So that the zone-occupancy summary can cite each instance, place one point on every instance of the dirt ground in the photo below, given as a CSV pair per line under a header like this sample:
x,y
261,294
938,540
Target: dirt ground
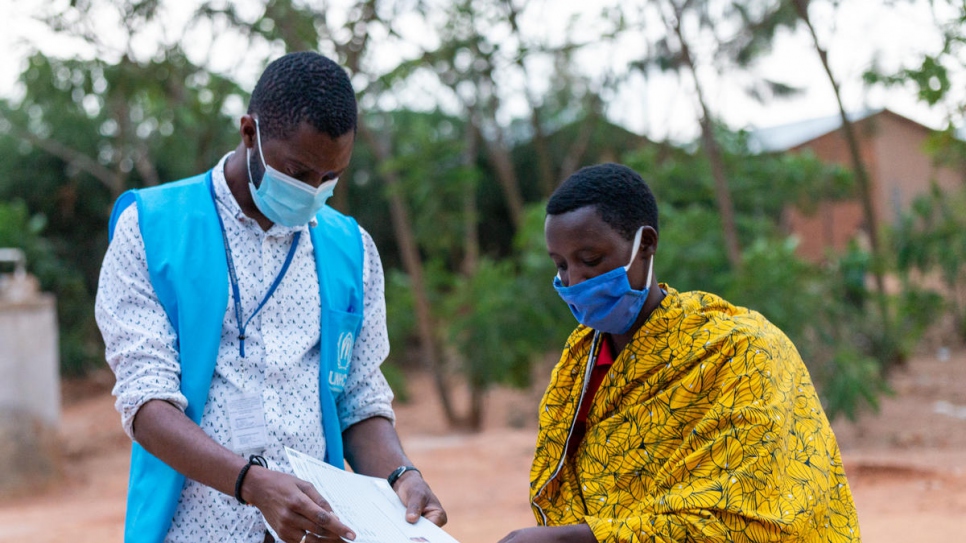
x,y
907,465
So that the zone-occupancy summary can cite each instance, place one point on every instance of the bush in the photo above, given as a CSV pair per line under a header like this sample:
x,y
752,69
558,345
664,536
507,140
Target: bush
x,y
931,239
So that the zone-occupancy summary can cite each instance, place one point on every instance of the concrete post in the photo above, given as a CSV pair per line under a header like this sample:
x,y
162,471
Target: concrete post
x,y
29,380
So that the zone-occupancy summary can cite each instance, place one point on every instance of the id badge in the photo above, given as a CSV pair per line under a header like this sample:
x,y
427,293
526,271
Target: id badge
x,y
247,420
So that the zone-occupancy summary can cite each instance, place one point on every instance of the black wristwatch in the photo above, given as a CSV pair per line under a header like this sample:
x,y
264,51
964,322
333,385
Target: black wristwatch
x,y
398,472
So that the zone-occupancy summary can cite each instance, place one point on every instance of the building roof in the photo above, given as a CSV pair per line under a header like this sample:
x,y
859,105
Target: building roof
x,y
784,137
788,136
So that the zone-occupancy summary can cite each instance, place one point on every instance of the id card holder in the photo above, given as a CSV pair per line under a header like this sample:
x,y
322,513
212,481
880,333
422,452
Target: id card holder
x,y
246,418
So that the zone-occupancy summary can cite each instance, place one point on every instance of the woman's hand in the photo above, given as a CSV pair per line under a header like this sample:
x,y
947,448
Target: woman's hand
x,y
572,533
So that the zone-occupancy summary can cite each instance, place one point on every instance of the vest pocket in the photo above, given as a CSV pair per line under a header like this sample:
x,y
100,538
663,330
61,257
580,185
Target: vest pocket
x,y
339,339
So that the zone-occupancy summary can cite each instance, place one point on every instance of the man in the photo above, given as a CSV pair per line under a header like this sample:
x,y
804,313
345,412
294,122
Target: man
x,y
670,416
242,316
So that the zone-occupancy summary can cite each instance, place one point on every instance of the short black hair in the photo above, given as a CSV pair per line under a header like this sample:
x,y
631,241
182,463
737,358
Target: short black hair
x,y
622,198
304,87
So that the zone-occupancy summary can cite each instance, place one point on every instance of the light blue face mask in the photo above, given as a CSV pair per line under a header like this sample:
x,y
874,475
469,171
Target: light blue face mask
x,y
607,302
282,198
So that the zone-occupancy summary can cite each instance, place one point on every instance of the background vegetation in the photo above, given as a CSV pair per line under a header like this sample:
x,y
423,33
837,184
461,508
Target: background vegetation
x,y
450,181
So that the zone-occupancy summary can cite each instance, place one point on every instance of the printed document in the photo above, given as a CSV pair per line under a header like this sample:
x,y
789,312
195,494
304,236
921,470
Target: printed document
x,y
368,505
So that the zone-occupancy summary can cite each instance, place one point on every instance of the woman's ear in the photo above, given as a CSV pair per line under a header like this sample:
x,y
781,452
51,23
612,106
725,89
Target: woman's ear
x,y
648,242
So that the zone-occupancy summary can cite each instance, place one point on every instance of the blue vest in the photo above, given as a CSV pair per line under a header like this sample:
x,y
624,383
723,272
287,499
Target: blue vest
x,y
186,261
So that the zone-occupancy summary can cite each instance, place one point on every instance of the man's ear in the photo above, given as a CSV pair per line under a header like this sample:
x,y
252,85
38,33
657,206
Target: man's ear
x,y
246,129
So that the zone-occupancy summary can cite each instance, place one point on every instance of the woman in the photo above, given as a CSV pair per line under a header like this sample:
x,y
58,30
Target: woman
x,y
670,416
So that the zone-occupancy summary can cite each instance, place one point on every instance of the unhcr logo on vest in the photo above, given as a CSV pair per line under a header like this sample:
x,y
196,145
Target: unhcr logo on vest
x,y
346,341
337,377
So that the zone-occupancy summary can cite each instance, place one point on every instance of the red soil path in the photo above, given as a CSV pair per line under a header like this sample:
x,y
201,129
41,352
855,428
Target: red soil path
x,y
906,465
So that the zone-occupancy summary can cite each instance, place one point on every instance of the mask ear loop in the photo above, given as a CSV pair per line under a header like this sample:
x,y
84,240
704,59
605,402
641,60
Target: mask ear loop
x,y
650,273
248,154
258,137
650,264
637,245
248,165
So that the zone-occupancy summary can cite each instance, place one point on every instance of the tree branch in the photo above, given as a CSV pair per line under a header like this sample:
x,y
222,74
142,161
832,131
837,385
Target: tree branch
x,y
112,180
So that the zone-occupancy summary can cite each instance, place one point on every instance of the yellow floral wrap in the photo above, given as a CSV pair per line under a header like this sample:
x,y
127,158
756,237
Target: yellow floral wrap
x,y
706,428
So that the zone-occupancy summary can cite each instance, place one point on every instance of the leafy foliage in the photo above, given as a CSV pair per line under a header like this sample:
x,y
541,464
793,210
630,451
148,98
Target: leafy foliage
x,y
931,239
85,132
813,305
506,314
459,159
492,319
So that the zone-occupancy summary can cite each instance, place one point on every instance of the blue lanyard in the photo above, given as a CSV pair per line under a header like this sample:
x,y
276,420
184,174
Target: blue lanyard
x,y
233,277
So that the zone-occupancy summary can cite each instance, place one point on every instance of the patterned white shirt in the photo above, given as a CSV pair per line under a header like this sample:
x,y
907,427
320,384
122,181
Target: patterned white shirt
x,y
281,354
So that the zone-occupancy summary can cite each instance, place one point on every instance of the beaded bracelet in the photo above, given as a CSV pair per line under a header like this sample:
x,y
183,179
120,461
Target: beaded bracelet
x,y
253,460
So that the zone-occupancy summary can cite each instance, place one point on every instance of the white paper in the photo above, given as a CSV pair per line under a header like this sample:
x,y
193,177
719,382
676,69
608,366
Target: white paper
x,y
368,505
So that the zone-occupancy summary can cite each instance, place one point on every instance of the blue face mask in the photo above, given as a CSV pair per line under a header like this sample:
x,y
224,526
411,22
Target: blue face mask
x,y
607,302
284,199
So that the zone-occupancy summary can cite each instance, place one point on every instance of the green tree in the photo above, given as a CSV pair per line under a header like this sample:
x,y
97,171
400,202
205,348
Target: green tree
x,y
448,182
931,238
928,239
740,33
861,176
815,306
86,130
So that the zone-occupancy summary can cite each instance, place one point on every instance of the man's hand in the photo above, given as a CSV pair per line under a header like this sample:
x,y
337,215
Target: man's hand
x,y
419,499
292,507
372,448
573,533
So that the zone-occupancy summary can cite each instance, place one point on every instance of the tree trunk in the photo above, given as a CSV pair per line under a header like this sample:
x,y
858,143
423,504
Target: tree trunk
x,y
722,193
402,227
544,164
430,348
499,157
471,227
340,198
145,166
858,166
477,397
540,145
113,180
576,151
